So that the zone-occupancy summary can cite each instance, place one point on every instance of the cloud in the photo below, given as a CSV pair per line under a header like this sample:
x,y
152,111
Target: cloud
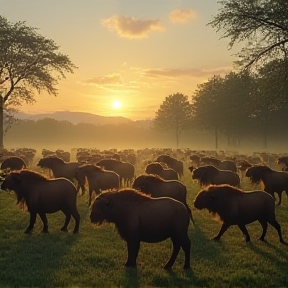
x,y
113,83
182,15
132,28
110,80
192,72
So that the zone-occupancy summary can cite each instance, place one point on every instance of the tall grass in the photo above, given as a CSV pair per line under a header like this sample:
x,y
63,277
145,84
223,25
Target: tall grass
x,y
95,257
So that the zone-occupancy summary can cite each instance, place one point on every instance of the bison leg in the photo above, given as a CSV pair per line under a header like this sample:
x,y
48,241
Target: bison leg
x,y
277,226
82,189
133,250
223,229
76,217
32,222
45,222
176,249
264,231
97,192
190,214
245,232
67,220
279,198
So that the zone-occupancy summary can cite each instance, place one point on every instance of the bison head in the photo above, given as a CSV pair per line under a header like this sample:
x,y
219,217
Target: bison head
x,y
203,174
216,199
206,199
146,183
102,210
257,173
12,182
45,162
191,168
154,168
282,160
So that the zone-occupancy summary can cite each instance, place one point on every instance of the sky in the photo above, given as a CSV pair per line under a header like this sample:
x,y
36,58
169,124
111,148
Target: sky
x,y
130,54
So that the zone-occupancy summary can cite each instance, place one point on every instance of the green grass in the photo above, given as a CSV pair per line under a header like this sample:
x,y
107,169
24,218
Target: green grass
x,y
95,257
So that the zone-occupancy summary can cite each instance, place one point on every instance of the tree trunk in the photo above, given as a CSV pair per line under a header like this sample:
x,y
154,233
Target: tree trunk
x,y
177,136
216,139
1,121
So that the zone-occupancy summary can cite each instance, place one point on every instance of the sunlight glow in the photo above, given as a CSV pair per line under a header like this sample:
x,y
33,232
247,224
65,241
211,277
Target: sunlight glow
x,y
116,104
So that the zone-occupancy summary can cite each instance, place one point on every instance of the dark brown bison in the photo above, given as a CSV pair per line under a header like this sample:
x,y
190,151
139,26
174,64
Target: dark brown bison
x,y
173,163
125,170
243,165
158,187
283,161
60,168
42,196
162,170
209,174
237,207
13,163
195,159
274,181
220,164
140,218
98,179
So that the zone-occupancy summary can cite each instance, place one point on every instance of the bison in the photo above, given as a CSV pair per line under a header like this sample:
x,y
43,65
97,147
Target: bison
x,y
209,174
220,164
274,181
158,187
98,179
162,170
140,218
13,163
59,167
173,163
42,196
125,170
237,207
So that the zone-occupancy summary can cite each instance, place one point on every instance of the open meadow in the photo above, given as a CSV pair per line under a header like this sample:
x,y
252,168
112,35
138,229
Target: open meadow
x,y
96,256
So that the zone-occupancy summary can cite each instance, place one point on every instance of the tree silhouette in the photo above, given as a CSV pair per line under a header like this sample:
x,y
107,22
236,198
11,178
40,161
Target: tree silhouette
x,y
263,24
29,63
174,114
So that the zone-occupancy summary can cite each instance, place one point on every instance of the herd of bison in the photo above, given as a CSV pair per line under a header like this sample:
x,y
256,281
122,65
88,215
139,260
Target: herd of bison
x,y
149,205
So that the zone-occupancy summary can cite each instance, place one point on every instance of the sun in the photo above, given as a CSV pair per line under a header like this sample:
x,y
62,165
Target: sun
x,y
116,104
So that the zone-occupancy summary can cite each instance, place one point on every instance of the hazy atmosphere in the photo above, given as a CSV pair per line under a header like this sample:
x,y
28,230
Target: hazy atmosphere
x,y
130,54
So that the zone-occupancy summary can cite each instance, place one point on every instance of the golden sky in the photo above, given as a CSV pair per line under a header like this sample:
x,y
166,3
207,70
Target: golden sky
x,y
136,52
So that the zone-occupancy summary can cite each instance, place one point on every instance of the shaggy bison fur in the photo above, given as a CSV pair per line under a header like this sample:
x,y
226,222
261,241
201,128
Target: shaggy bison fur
x,y
140,218
98,179
220,164
274,181
173,163
161,169
237,207
13,163
209,174
158,187
42,196
125,170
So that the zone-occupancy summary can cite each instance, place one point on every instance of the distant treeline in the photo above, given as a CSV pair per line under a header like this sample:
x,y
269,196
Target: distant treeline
x,y
49,133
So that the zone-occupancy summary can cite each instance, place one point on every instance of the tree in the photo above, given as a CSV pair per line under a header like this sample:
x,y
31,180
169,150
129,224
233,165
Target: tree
x,y
263,24
206,106
174,114
271,98
29,63
223,105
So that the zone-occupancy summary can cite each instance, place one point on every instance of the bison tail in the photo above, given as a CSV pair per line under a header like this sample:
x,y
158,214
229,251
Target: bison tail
x,y
190,214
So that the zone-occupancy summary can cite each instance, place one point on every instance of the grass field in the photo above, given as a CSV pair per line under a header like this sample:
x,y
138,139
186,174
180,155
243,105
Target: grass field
x,y
95,257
